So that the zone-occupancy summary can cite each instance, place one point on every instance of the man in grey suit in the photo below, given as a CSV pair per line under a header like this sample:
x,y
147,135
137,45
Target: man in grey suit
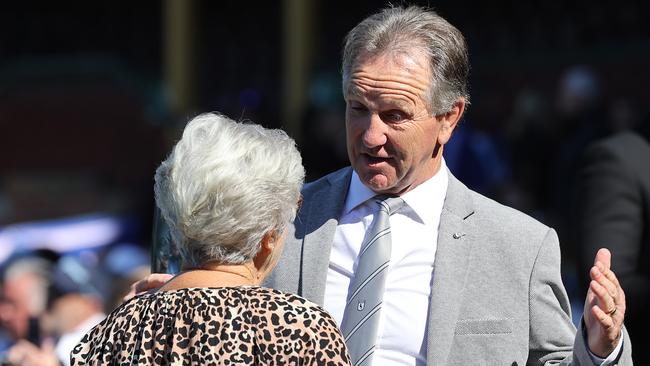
x,y
470,281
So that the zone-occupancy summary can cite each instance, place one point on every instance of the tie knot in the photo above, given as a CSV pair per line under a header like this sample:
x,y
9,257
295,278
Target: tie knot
x,y
390,204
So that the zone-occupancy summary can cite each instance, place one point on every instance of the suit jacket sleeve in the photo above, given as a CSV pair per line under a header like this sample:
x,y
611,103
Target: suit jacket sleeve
x,y
551,330
553,339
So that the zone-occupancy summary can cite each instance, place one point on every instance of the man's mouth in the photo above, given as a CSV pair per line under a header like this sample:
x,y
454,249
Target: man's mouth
x,y
374,160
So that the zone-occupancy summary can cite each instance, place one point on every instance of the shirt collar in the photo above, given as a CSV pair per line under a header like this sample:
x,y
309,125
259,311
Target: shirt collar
x,y
426,200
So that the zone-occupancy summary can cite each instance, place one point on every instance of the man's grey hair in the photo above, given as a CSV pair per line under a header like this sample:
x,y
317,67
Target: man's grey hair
x,y
398,30
224,186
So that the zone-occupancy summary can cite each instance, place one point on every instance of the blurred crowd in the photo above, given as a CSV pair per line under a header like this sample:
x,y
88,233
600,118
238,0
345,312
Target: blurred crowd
x,y
49,300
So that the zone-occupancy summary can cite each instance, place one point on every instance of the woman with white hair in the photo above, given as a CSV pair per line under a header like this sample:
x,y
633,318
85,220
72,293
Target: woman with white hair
x,y
228,192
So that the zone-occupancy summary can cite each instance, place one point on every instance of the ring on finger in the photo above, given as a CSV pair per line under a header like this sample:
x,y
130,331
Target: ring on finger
x,y
612,312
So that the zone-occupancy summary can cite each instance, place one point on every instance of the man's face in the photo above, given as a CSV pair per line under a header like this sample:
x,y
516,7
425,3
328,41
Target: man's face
x,y
14,316
393,140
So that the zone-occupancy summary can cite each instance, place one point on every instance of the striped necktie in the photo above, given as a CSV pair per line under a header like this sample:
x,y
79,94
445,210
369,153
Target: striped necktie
x,y
361,316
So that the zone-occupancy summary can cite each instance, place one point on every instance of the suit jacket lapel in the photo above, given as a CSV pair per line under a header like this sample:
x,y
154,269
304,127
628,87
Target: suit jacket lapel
x,y
320,221
455,237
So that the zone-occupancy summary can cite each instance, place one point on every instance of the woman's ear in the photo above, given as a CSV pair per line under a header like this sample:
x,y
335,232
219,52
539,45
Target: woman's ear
x,y
267,245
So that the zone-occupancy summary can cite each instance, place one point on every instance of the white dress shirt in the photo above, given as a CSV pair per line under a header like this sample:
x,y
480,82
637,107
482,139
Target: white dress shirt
x,y
414,232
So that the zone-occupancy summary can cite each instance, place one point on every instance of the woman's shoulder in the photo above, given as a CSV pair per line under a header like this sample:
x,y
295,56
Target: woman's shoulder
x,y
251,304
286,300
250,297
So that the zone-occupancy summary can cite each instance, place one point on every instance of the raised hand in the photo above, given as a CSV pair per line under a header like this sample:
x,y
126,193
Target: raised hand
x,y
605,306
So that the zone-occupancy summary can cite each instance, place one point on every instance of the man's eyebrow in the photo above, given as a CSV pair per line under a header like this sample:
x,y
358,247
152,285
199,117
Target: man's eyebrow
x,y
396,103
399,103
356,91
353,91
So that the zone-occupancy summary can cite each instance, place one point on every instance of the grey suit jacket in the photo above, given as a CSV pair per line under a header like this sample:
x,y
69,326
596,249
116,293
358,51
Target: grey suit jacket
x,y
497,297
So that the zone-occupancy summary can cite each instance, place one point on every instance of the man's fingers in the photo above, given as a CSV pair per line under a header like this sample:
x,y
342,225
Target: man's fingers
x,y
612,332
607,272
152,281
605,306
604,256
605,301
603,274
598,276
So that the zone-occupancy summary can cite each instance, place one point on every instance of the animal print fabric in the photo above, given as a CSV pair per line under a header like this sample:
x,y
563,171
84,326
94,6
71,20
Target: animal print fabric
x,y
214,326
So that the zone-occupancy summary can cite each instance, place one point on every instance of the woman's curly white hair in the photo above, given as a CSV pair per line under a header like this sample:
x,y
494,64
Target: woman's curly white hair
x,y
225,185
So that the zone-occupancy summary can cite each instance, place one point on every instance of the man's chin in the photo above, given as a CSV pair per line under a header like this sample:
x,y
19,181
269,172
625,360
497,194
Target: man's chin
x,y
378,183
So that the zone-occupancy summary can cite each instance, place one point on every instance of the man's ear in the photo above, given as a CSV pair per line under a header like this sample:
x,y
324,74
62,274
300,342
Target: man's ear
x,y
449,120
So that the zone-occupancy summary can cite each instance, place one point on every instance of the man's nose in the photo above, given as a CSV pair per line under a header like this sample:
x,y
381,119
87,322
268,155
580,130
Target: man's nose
x,y
375,134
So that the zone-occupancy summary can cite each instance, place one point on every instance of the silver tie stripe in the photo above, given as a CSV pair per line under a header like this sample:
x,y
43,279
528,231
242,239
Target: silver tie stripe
x,y
361,317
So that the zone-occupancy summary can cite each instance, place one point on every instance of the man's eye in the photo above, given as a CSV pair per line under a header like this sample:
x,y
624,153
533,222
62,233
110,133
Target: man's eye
x,y
393,116
358,107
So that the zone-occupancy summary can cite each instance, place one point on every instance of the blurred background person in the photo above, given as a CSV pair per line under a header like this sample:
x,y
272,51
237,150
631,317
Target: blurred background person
x,y
613,211
26,286
582,118
72,303
228,191
71,317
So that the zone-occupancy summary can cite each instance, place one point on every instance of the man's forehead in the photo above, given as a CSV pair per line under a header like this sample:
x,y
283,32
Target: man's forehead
x,y
400,89
410,60
387,68
379,96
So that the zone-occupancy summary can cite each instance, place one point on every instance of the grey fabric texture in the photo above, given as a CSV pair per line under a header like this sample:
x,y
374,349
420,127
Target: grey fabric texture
x,y
497,296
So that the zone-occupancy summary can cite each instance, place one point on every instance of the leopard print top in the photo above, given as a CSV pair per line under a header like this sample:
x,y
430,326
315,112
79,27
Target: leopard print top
x,y
215,326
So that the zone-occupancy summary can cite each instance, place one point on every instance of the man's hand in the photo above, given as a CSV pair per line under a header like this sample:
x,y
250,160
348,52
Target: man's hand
x,y
151,282
604,307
